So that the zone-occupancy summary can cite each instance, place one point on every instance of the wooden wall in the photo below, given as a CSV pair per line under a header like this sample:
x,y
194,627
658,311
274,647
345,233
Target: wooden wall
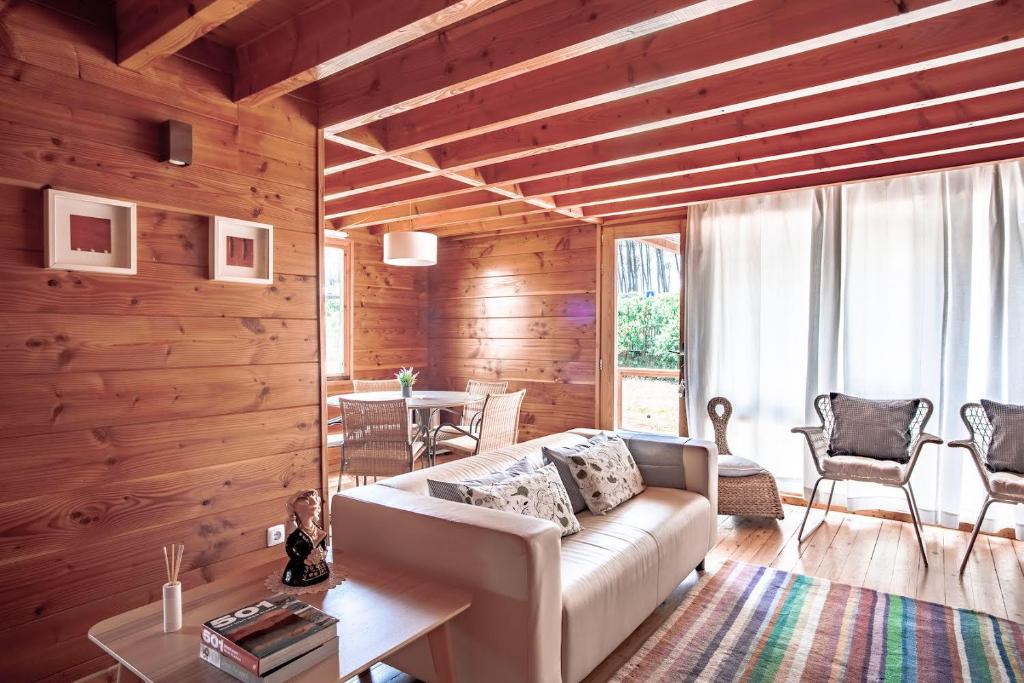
x,y
163,407
520,307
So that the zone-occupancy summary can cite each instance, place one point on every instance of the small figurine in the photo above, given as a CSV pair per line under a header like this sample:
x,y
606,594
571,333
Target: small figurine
x,y
307,545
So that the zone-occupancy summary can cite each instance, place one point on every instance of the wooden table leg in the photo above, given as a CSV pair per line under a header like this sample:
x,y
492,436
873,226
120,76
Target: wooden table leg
x,y
441,650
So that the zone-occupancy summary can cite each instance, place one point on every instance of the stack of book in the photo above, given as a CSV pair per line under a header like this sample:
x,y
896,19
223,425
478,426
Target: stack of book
x,y
271,641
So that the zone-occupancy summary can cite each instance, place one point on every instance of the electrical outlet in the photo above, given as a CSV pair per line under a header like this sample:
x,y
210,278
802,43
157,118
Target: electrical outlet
x,y
275,535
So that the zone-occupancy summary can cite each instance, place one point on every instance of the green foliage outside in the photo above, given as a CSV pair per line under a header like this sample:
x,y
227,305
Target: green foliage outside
x,y
648,331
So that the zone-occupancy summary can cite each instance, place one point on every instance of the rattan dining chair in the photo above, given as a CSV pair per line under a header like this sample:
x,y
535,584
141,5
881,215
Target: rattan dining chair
x,y
376,439
499,426
470,417
361,385
1000,487
857,468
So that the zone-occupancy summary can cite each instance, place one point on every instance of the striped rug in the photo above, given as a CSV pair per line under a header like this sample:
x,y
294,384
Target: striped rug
x,y
749,623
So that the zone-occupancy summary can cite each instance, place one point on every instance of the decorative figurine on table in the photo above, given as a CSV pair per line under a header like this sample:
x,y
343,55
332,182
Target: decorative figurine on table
x,y
307,545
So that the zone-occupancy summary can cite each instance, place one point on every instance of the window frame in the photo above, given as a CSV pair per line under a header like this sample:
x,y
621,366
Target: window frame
x,y
348,279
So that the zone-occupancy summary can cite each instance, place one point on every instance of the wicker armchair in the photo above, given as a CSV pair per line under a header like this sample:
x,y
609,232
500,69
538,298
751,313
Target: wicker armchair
x,y
376,439
499,426
750,491
1000,487
857,468
470,417
361,385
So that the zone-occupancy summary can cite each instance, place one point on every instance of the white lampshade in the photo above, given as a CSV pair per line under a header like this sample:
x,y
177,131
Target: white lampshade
x,y
410,249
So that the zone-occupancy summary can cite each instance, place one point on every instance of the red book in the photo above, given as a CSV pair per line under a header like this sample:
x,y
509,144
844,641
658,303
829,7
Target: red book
x,y
263,636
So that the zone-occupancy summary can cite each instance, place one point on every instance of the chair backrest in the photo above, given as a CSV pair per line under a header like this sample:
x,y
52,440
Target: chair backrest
x,y
823,406
974,416
478,392
361,385
499,421
720,421
376,437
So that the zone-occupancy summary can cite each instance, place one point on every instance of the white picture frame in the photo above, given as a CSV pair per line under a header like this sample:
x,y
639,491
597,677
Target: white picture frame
x,y
91,234
241,251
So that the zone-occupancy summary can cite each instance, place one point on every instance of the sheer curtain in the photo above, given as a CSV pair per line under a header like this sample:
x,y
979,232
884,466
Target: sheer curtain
x,y
903,287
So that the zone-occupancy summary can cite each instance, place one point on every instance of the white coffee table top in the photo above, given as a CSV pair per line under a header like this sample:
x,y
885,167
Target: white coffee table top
x,y
419,399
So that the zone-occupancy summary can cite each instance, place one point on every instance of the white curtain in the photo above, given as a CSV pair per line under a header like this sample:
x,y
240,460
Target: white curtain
x,y
903,287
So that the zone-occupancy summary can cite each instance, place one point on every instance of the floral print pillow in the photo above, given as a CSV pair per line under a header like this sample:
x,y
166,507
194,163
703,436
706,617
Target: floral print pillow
x,y
535,494
607,474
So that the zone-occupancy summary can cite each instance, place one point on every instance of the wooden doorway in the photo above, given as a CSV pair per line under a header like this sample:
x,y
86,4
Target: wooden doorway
x,y
641,316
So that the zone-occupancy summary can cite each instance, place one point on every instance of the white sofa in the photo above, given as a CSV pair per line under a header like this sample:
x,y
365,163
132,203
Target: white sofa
x,y
545,608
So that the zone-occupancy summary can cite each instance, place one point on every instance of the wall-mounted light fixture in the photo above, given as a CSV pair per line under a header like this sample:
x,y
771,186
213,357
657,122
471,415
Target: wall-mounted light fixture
x,y
410,249
177,143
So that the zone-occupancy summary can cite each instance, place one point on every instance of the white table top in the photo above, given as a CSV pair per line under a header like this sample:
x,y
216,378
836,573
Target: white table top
x,y
419,399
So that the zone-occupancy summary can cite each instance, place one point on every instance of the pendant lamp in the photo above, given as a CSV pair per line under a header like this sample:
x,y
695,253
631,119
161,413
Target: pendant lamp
x,y
410,248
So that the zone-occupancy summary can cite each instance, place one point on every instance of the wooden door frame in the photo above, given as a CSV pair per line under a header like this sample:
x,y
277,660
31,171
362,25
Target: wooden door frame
x,y
606,276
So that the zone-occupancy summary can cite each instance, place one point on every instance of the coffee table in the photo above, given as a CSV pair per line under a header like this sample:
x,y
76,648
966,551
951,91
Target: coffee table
x,y
380,610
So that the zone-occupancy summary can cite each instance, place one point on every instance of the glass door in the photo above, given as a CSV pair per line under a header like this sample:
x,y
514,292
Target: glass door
x,y
647,282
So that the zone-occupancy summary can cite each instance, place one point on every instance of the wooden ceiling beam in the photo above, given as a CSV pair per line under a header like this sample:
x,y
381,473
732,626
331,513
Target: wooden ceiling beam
x,y
511,40
915,90
336,35
989,29
584,166
464,215
509,226
925,123
615,182
922,162
151,29
751,33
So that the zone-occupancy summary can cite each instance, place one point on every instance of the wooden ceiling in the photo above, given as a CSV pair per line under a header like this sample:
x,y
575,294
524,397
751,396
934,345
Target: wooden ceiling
x,y
483,115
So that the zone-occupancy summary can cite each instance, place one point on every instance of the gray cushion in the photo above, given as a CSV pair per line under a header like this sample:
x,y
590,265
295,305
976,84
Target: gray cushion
x,y
450,490
1006,450
871,428
737,466
560,458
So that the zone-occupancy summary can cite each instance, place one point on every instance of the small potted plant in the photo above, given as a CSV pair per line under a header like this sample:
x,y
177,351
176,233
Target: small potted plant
x,y
407,377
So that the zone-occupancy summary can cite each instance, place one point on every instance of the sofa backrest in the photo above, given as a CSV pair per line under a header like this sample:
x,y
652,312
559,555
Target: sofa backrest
x,y
479,465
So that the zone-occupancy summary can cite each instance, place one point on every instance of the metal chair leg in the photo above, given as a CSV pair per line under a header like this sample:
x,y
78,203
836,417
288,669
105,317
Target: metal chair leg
x,y
814,493
913,498
974,534
917,528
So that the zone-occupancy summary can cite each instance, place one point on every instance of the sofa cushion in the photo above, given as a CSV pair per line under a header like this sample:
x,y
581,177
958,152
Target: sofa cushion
x,y
450,490
1006,450
559,456
871,428
480,465
624,563
606,473
1008,484
538,493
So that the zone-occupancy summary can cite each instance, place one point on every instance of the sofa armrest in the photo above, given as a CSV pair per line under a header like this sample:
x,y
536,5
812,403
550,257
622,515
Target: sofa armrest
x,y
674,462
510,564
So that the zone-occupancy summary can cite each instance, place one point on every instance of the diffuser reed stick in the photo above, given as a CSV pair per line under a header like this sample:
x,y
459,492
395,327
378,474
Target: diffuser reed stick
x,y
172,561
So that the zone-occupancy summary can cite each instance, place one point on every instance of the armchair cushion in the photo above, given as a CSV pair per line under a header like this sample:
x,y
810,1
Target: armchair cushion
x,y
1008,485
871,428
1006,450
737,466
864,469
538,493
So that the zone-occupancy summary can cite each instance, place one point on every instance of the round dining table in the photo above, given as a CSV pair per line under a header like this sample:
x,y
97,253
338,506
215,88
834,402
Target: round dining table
x,y
425,404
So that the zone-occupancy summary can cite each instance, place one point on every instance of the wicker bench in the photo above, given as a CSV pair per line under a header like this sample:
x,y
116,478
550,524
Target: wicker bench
x,y
744,487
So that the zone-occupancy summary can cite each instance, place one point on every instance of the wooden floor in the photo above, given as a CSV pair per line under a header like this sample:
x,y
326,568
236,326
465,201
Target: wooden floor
x,y
875,553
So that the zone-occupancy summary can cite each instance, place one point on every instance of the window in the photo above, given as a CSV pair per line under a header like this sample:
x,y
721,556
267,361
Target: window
x,y
336,293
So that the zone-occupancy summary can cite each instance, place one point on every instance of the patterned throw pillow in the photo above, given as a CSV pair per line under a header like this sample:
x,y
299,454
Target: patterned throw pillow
x,y
538,494
871,429
607,474
1006,450
559,457
449,490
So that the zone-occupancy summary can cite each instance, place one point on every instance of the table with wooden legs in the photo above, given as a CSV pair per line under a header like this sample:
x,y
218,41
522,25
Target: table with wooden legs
x,y
380,610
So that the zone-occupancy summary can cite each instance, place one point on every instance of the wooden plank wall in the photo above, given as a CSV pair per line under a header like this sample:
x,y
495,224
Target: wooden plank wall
x,y
520,307
139,411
